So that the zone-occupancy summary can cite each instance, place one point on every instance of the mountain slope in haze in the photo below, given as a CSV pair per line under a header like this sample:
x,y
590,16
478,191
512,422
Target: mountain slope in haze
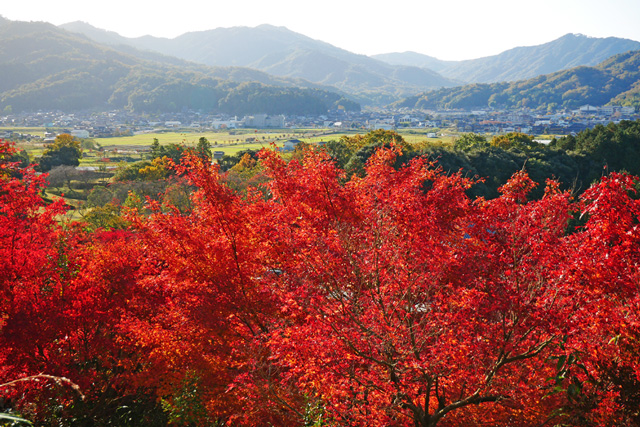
x,y
279,51
522,63
614,81
415,59
45,67
233,73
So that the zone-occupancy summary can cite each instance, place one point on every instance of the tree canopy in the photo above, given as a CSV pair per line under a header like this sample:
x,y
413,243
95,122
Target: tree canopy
x,y
65,151
390,298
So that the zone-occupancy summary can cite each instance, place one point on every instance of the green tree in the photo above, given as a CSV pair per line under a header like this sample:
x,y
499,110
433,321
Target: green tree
x,y
339,152
99,196
65,150
470,140
514,140
171,151
158,169
89,144
130,171
157,150
107,217
174,152
616,146
377,137
230,160
365,145
203,149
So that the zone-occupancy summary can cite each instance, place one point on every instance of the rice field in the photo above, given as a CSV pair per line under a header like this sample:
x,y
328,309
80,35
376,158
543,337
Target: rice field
x,y
132,148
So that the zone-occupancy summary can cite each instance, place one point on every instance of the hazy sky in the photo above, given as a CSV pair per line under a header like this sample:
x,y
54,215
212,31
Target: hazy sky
x,y
446,29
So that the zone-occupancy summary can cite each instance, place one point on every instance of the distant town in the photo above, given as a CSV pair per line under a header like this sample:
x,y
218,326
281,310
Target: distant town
x,y
488,121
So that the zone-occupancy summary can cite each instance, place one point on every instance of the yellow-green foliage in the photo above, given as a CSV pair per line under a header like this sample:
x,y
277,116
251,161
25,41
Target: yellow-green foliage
x,y
513,139
158,169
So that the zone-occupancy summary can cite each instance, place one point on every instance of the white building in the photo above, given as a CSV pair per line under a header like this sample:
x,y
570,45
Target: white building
x,y
80,133
228,124
264,121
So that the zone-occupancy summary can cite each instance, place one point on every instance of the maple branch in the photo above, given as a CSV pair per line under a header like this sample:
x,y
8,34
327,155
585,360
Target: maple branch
x,y
273,391
231,237
474,399
328,194
58,380
505,360
427,397
359,353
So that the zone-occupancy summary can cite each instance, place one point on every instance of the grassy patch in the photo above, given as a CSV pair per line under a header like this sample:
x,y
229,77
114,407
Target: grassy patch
x,y
133,148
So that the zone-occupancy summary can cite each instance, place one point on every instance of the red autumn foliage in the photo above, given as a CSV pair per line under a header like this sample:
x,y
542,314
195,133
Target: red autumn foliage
x,y
64,294
391,299
405,302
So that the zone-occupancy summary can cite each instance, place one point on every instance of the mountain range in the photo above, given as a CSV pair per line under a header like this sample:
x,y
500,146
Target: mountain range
x,y
281,52
613,81
521,63
45,67
273,70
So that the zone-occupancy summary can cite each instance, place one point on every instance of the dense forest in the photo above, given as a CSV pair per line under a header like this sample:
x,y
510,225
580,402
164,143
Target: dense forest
x,y
363,282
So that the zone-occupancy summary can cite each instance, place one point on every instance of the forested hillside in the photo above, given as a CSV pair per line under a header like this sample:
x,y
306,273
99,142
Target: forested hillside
x,y
44,67
281,52
615,81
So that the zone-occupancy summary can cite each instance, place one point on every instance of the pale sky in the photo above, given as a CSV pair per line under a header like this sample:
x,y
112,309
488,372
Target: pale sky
x,y
445,29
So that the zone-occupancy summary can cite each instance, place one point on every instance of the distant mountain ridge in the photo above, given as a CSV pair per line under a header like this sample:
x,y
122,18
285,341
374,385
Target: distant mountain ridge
x,y
45,67
377,79
520,63
415,59
281,52
614,81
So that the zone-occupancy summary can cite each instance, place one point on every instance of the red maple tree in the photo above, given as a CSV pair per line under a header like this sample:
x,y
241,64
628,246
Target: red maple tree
x,y
64,298
387,299
404,301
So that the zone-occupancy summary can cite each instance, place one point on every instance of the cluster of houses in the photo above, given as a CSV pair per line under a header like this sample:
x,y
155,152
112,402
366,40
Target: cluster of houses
x,y
563,123
120,123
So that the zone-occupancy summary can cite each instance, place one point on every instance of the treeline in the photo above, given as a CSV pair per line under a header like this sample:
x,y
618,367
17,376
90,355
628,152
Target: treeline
x,y
147,90
575,161
612,81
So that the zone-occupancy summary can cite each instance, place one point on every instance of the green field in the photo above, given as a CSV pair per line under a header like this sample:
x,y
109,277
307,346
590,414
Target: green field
x,y
112,152
247,138
224,139
37,131
132,148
